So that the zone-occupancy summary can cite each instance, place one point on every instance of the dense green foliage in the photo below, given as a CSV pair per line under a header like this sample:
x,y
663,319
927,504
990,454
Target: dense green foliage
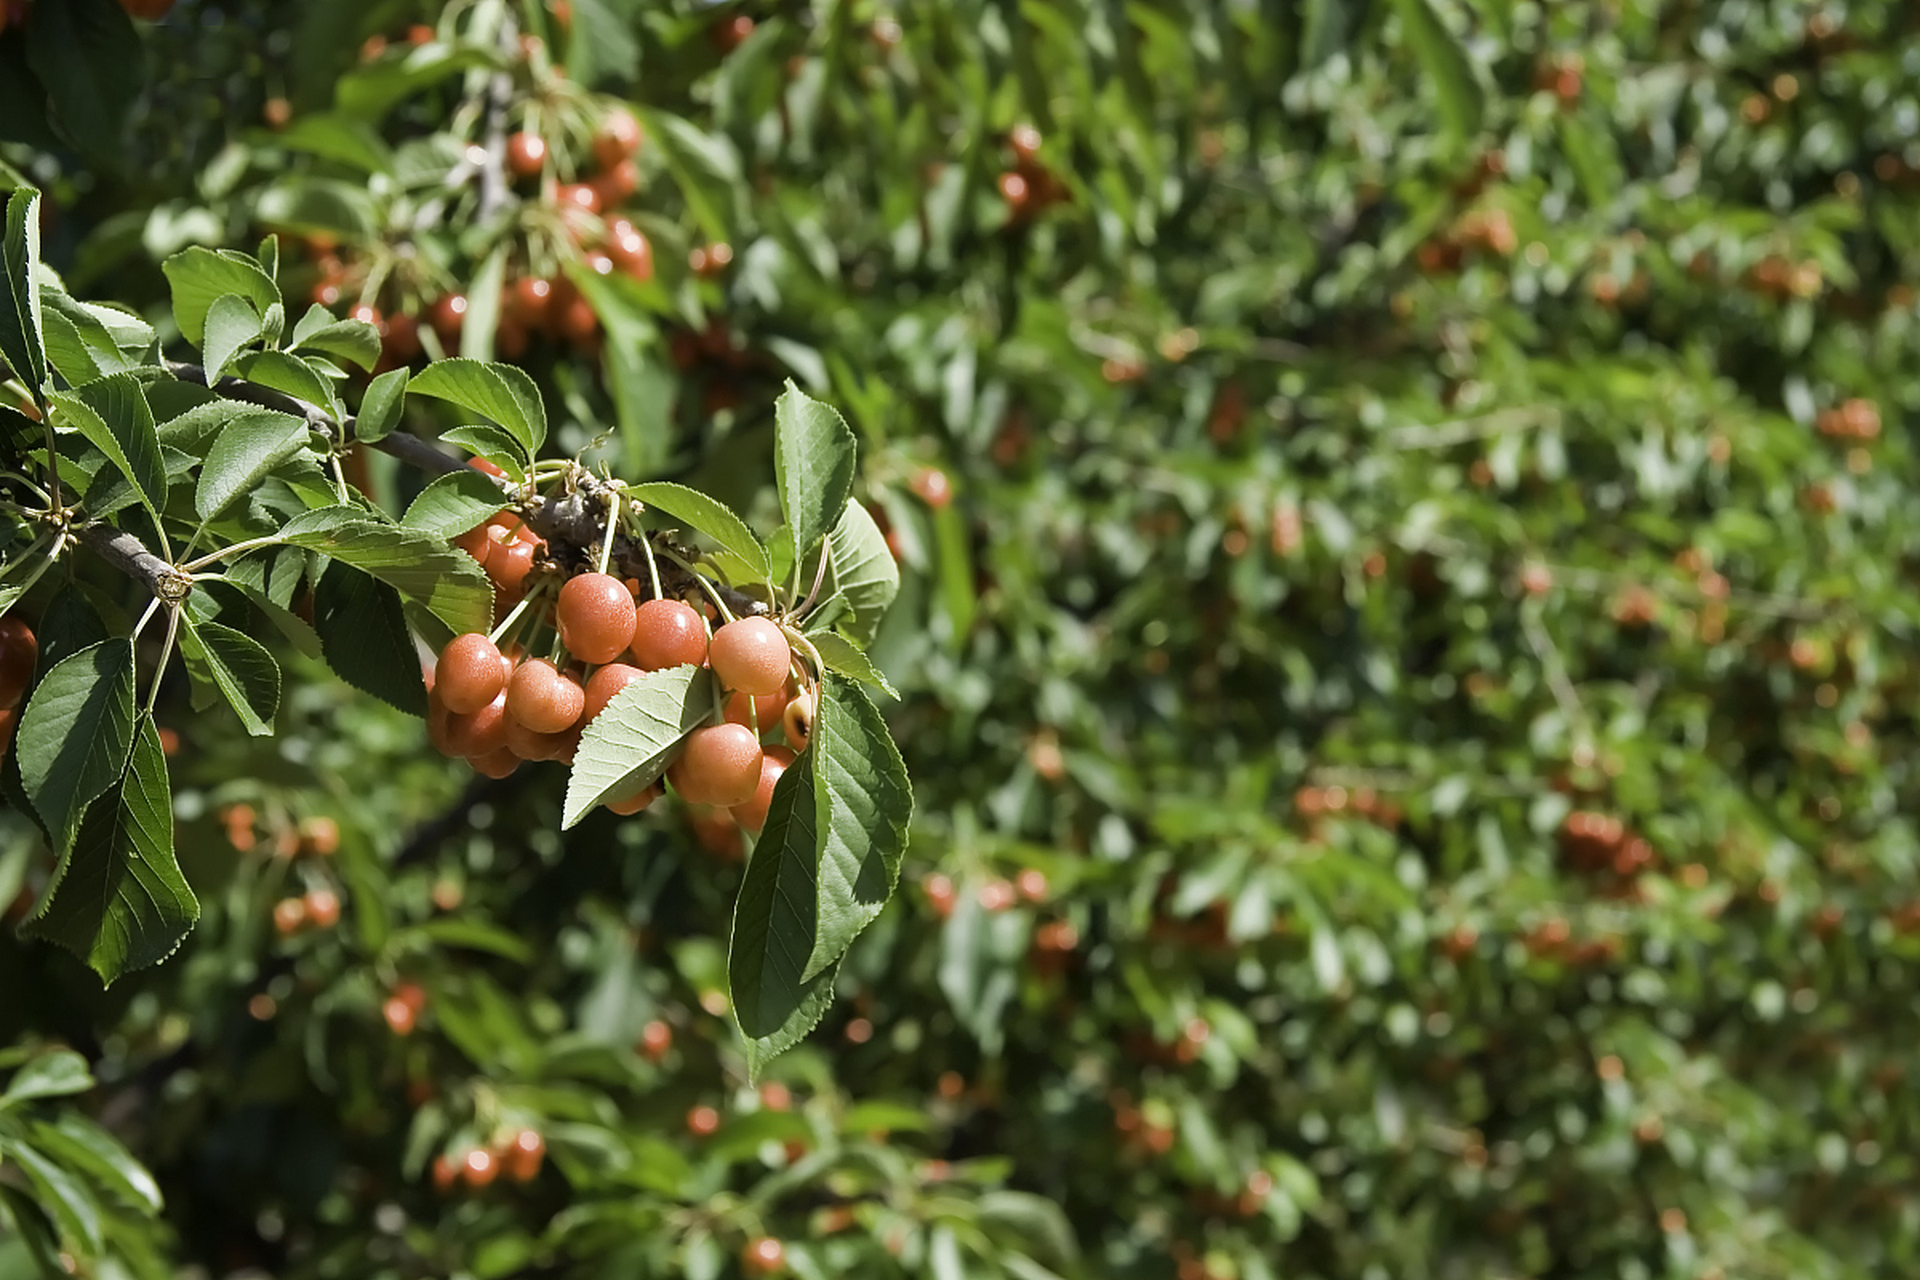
x,y
1403,516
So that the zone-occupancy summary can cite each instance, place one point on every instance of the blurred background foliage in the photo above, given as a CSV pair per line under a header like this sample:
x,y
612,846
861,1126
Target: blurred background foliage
x,y
1407,649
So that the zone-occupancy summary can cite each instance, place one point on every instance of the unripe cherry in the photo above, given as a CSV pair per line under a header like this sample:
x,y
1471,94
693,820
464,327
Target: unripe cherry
x,y
469,675
753,814
543,699
761,713
19,652
481,732
668,633
596,616
752,656
797,721
605,685
720,765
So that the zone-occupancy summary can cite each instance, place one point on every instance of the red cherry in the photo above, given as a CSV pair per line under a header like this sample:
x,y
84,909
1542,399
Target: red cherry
x,y
619,137
448,317
753,814
595,616
526,154
720,765
19,653
752,656
668,633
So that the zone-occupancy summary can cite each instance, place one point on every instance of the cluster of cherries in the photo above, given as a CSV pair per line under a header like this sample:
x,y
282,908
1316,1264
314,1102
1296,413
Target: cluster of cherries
x,y
19,654
531,305
518,1154
1592,841
1854,419
497,708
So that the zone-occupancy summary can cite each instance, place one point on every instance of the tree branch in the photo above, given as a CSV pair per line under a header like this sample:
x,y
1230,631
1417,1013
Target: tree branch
x,y
128,554
576,519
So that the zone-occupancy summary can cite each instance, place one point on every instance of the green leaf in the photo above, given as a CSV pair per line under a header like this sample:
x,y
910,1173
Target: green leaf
x,y
482,320
864,804
247,450
113,416
381,407
363,631
239,578
200,277
58,1074
290,374
630,743
20,325
232,324
354,341
238,666
495,444
500,393
81,1144
708,516
118,900
74,736
774,923
842,655
71,1203
86,341
814,455
864,572
35,1231
454,503
1446,64
88,55
351,142
445,582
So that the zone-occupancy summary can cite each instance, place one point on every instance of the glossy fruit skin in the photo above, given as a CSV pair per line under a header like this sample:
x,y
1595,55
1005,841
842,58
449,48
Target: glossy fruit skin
x,y
764,1256
753,814
400,339
508,564
797,721
761,714
543,699
323,908
720,765
627,806
605,684
596,617
524,1156
619,137
580,195
528,301
482,732
525,744
668,633
469,675
751,655
631,252
526,154
496,764
480,1168
19,653
448,316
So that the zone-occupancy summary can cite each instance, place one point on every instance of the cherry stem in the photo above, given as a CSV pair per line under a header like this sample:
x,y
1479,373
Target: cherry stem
x,y
166,652
706,586
653,567
819,577
613,527
506,623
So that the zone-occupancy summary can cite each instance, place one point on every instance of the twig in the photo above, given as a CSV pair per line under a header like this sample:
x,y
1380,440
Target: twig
x,y
1557,680
128,554
576,518
1441,435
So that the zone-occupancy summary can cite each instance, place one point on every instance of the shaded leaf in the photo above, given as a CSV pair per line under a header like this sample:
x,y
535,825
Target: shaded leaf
x,y
76,731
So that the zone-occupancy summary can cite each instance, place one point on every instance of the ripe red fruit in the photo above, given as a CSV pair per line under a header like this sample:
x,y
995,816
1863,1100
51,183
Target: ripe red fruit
x,y
529,300
931,486
628,805
631,252
323,908
9,721
720,765
1025,141
595,616
448,316
605,684
753,814
289,916
469,674
445,1173
730,34
668,633
480,733
703,1121
543,699
752,656
764,1256
579,195
797,721
400,1016
480,1168
524,1155
760,714
400,339
655,1039
19,653
618,138
1013,189
276,112
617,183
508,564
497,764
576,322
526,154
